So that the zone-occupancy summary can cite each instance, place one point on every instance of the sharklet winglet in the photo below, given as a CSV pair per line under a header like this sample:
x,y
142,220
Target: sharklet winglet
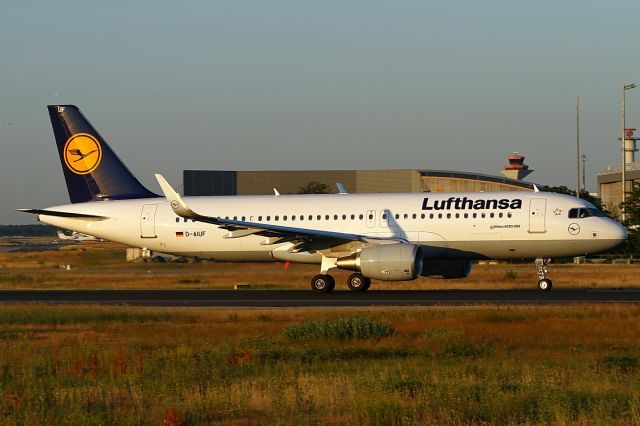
x,y
178,206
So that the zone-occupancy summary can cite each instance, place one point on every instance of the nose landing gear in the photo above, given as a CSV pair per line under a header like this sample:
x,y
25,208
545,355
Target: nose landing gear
x,y
545,283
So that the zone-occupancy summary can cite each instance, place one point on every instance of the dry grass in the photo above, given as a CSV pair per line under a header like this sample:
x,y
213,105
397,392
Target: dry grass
x,y
102,266
529,365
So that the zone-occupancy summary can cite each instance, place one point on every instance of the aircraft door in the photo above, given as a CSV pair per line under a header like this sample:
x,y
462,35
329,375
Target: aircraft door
x,y
384,218
371,218
537,215
148,221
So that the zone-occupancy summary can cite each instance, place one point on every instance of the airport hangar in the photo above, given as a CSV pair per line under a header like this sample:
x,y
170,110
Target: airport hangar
x,y
225,182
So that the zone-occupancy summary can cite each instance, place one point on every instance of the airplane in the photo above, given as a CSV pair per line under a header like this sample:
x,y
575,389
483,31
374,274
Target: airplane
x,y
380,236
76,236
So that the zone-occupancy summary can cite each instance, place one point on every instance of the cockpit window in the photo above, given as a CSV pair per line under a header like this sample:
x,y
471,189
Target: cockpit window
x,y
584,212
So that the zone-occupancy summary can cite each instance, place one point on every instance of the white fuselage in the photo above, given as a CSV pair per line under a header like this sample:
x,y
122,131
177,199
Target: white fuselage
x,y
498,225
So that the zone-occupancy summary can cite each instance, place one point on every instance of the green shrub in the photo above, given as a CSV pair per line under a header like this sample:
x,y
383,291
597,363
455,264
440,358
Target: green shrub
x,y
623,363
356,327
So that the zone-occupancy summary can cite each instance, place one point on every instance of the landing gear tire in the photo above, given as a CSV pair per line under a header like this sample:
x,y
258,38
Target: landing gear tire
x,y
323,283
545,284
367,284
357,282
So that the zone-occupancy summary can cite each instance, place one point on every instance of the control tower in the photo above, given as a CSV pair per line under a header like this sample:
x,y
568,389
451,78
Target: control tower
x,y
630,146
516,169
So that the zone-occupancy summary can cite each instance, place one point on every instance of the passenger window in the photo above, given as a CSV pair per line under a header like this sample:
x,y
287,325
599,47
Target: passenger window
x,y
414,216
344,217
466,215
491,215
235,218
259,218
335,217
185,219
431,216
457,215
353,216
384,216
362,217
397,216
177,219
311,217
484,215
276,218
243,218
439,215
509,215
475,215
422,216
500,215
326,217
448,215
268,218
406,216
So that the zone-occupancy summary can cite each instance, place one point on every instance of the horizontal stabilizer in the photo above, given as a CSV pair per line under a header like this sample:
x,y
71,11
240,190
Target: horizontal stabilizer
x,y
63,214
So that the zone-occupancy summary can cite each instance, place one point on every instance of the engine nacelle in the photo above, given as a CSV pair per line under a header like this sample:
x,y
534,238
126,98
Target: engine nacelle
x,y
447,269
389,262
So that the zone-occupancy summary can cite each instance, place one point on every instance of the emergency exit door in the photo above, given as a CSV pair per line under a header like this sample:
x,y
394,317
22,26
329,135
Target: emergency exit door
x,y
371,218
148,221
537,215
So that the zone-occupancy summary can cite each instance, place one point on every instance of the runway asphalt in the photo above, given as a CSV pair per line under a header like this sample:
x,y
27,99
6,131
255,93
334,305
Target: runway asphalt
x,y
307,298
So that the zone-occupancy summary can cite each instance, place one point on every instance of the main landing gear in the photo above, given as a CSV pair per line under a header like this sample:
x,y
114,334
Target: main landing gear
x,y
545,283
324,283
357,282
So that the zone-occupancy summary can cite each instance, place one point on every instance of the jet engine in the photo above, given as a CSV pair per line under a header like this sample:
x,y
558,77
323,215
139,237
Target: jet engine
x,y
447,269
389,262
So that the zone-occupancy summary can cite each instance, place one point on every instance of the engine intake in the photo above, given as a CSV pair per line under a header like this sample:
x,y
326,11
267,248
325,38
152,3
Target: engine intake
x,y
389,262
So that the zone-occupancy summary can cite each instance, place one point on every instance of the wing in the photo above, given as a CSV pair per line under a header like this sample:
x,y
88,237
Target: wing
x,y
303,239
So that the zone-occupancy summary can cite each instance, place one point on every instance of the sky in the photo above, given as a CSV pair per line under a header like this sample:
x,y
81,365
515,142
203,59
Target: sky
x,y
349,84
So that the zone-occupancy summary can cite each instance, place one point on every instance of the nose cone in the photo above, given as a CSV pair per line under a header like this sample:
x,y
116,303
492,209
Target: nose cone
x,y
615,234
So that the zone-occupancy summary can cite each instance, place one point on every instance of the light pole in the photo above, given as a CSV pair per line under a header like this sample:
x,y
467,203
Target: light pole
x,y
584,165
625,87
578,146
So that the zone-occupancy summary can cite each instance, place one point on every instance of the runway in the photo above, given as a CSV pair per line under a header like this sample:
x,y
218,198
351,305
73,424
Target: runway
x,y
307,298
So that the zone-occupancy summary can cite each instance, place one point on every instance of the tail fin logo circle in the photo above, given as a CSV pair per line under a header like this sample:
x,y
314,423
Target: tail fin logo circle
x,y
82,153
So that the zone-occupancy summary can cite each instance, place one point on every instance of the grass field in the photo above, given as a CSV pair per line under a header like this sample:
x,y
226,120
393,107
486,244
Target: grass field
x,y
102,266
398,366
486,365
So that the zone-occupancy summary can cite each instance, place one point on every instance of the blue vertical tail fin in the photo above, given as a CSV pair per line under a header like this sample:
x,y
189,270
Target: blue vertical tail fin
x,y
91,169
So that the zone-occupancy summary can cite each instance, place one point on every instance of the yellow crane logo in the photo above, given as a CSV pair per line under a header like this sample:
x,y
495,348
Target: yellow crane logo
x,y
82,153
